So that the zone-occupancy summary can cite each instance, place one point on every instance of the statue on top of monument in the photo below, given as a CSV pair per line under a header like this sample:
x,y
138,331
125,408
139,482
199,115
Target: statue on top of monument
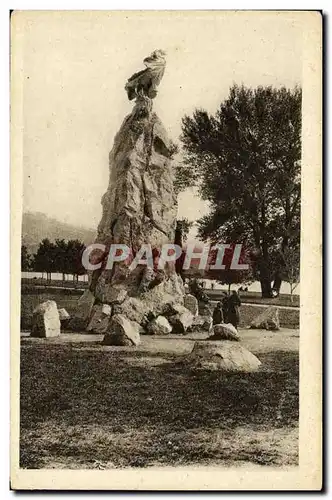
x,y
145,82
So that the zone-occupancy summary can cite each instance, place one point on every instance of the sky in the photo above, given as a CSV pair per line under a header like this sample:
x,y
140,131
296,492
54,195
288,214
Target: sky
x,y
75,66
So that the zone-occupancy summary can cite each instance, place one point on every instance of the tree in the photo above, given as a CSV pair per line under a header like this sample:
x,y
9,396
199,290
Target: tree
x,y
245,161
45,258
182,230
61,260
25,259
61,256
181,234
184,176
291,270
75,249
183,227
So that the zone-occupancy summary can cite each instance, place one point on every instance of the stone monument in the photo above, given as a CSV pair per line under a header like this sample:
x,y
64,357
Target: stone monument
x,y
139,207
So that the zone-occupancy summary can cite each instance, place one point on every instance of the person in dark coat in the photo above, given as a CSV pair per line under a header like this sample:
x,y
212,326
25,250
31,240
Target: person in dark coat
x,y
234,303
218,316
224,305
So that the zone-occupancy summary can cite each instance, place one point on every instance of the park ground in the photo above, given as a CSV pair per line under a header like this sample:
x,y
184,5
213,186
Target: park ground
x,y
289,313
85,405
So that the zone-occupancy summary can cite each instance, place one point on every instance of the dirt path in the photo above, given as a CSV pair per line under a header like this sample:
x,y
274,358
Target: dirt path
x,y
255,340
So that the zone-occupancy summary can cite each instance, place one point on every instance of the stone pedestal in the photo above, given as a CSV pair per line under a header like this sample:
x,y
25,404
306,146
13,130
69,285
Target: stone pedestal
x,y
139,207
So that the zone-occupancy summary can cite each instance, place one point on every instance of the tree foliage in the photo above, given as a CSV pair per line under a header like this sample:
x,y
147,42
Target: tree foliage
x,y
62,256
75,249
44,259
245,160
25,259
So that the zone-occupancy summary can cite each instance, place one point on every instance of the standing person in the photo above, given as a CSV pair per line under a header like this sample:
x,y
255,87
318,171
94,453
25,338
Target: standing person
x,y
218,316
224,305
234,303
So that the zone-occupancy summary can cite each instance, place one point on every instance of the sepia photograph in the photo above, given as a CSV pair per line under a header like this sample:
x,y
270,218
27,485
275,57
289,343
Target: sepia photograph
x,y
165,293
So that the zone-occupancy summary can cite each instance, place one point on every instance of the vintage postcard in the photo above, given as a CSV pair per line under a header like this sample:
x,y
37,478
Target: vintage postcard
x,y
166,235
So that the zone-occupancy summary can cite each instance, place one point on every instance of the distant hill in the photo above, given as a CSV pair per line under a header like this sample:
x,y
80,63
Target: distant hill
x,y
37,226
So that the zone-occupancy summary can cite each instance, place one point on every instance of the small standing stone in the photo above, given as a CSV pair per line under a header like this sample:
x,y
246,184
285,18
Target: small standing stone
x,y
181,321
100,318
159,326
268,319
191,303
122,332
45,320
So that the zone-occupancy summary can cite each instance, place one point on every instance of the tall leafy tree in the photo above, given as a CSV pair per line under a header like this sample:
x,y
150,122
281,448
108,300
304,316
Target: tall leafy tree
x,y
75,249
61,257
45,258
25,259
245,160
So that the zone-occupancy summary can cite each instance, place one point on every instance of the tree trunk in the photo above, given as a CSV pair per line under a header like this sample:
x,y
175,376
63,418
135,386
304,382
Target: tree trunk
x,y
265,278
178,240
229,289
277,282
292,288
266,288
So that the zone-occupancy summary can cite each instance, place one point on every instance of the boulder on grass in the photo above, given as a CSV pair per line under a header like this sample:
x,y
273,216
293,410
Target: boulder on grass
x,y
122,332
181,321
159,326
225,356
191,303
100,318
45,320
201,324
267,320
224,332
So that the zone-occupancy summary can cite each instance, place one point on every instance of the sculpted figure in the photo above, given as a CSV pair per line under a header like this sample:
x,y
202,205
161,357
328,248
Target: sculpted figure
x,y
145,82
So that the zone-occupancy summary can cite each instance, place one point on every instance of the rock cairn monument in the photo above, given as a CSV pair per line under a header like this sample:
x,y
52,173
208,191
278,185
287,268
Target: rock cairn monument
x,y
139,207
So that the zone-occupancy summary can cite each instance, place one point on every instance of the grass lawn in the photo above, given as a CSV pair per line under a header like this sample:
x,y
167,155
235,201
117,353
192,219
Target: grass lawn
x,y
84,405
